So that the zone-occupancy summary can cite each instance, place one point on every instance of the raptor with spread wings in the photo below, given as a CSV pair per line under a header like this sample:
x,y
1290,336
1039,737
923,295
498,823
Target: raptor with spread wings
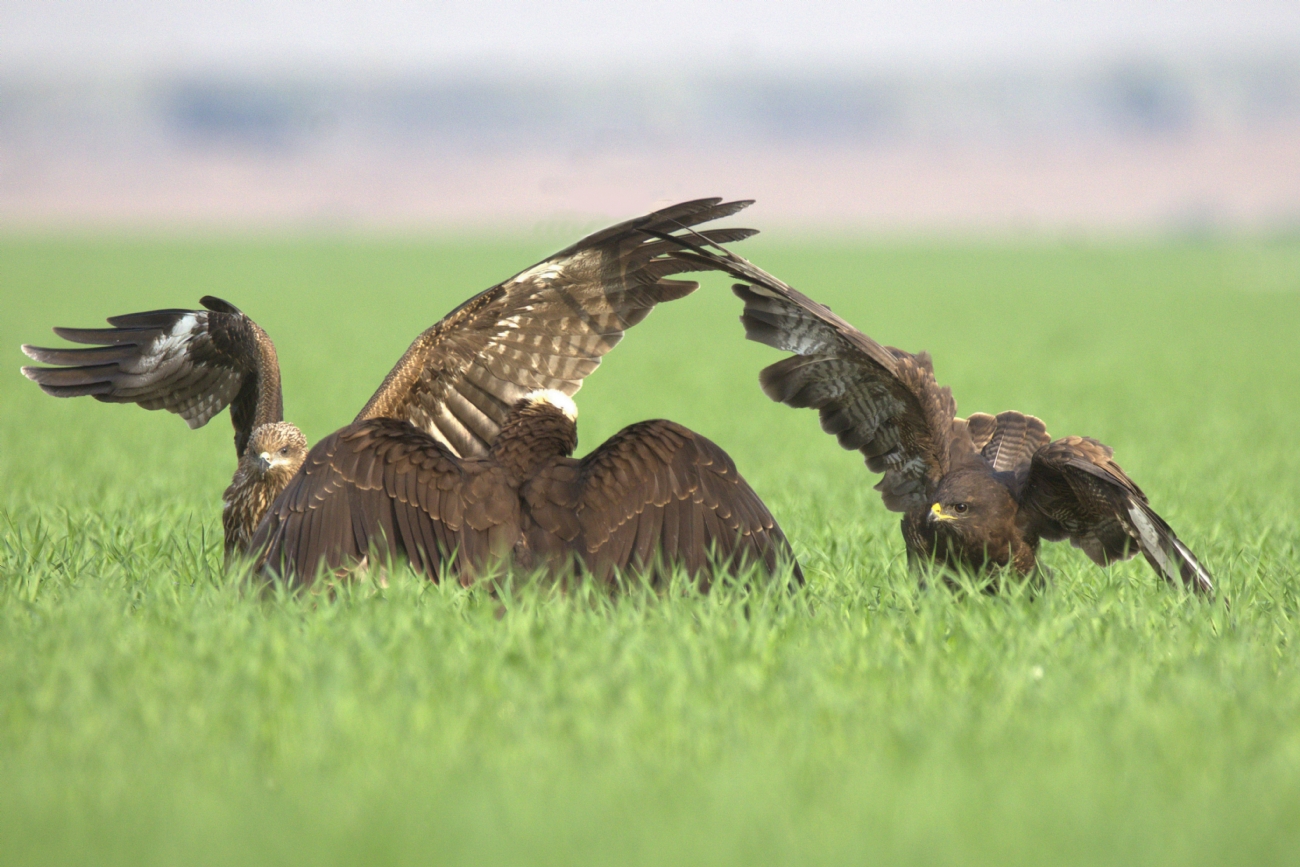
x,y
652,498
655,496
461,459
193,363
975,492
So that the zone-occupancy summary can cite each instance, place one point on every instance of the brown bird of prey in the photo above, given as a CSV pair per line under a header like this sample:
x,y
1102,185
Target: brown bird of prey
x,y
463,451
975,493
462,457
194,363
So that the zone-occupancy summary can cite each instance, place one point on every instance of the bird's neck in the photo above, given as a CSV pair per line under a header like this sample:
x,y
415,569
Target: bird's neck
x,y
532,438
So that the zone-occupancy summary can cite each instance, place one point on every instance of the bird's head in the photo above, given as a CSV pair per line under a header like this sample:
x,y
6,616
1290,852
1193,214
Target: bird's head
x,y
275,451
971,503
545,399
544,416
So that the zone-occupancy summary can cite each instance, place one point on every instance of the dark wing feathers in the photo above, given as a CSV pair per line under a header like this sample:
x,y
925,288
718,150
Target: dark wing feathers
x,y
190,362
875,399
1075,490
382,487
1008,441
654,497
547,327
885,403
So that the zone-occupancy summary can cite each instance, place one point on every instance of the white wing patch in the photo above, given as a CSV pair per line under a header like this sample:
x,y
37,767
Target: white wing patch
x,y
1150,540
170,343
163,352
1149,537
1204,576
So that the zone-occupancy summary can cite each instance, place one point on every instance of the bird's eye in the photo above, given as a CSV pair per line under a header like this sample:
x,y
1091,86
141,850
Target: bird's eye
x,y
960,508
284,451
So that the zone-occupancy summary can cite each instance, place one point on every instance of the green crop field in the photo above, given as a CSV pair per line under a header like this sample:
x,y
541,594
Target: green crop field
x,y
151,712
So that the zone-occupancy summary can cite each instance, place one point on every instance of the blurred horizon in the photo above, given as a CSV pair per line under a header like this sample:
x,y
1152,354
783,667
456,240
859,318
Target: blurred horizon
x,y
1102,117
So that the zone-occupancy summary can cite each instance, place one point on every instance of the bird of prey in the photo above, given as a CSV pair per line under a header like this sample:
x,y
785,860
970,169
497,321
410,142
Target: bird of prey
x,y
463,454
194,363
976,493
461,459
653,497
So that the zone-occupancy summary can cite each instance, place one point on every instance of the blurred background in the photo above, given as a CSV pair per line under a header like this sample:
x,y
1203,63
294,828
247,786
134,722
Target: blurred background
x,y
1093,116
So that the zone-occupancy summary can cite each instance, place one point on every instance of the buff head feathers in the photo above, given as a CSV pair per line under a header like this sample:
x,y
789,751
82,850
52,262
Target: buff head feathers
x,y
276,449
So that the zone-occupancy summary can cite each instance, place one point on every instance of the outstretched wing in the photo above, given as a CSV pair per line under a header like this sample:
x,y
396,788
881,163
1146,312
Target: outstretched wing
x,y
1075,490
381,486
190,362
876,399
655,497
545,328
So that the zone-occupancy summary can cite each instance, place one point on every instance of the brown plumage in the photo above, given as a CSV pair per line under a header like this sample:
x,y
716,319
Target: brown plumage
x,y
193,363
652,498
453,464
545,328
274,454
975,492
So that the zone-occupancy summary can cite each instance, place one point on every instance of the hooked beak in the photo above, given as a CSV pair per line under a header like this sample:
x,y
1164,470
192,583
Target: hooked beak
x,y
264,462
937,514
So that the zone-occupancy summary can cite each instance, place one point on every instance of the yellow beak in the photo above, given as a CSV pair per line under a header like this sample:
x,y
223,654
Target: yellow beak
x,y
938,514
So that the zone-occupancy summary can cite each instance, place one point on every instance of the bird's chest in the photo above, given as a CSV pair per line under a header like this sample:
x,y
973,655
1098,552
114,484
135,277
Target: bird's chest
x,y
976,550
242,507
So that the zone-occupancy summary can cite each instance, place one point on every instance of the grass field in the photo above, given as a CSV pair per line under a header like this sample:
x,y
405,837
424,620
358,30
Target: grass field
x,y
151,713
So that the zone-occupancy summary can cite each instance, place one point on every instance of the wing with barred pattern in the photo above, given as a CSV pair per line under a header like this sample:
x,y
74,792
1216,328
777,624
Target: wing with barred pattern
x,y
1075,490
876,399
545,328
193,363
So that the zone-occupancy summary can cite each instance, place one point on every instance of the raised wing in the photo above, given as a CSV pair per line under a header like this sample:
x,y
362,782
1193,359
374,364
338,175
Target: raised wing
x,y
881,401
190,362
655,497
379,486
1075,490
1008,441
545,328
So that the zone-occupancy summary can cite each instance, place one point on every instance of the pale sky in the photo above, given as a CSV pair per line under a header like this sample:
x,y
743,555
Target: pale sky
x,y
567,35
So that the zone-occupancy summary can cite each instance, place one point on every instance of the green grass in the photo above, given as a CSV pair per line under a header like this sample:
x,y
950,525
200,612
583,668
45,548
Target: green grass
x,y
151,713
